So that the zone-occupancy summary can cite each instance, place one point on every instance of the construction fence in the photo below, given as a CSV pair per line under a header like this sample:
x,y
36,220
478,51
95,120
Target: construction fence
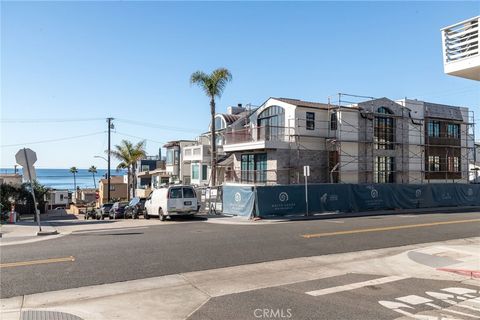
x,y
286,200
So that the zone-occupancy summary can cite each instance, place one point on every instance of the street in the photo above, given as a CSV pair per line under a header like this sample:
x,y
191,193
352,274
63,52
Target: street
x,y
111,255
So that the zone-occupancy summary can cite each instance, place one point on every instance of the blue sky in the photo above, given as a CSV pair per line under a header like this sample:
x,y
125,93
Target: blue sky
x,y
132,61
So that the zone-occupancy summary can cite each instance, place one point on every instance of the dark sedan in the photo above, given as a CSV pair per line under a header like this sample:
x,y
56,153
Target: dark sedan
x,y
135,208
118,210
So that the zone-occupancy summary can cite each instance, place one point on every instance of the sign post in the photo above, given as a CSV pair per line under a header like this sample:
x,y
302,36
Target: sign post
x,y
26,158
306,174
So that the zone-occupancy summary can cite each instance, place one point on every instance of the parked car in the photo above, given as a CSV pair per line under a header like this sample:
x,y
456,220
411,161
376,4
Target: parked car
x,y
118,210
135,208
104,210
171,201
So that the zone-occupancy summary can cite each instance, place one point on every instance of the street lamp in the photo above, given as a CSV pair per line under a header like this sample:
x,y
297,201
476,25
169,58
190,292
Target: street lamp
x,y
100,157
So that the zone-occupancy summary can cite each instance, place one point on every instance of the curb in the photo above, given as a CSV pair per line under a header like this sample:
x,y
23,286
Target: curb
x,y
47,233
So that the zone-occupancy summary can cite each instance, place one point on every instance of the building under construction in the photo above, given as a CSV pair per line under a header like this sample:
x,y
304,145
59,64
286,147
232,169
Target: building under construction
x,y
352,140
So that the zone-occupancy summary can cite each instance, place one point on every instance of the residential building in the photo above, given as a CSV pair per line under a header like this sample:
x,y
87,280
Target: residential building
x,y
461,45
118,190
13,179
198,156
57,198
176,168
83,196
374,141
148,169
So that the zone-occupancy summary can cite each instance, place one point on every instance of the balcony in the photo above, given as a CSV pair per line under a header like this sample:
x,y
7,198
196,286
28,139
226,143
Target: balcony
x,y
268,137
461,55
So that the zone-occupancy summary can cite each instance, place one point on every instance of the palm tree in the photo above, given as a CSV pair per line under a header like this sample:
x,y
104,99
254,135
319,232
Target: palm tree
x,y
213,85
74,170
93,170
129,154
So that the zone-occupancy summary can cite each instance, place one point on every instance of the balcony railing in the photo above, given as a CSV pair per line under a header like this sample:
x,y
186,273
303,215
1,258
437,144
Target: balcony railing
x,y
461,40
267,133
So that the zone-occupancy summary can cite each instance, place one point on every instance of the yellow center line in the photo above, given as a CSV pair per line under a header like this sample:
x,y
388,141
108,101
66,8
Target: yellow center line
x,y
34,262
421,225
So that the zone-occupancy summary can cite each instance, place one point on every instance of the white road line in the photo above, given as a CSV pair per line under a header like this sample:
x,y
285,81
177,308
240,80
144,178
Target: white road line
x,y
109,230
414,299
458,290
353,286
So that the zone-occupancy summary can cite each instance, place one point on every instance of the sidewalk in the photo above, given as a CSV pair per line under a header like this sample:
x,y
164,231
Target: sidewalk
x,y
177,296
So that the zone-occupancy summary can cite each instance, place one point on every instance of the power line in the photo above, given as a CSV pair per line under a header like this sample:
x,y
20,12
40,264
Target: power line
x,y
49,120
52,140
157,126
137,137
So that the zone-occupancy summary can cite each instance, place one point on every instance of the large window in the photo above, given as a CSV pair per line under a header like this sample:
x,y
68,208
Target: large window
x,y
254,168
384,170
384,130
219,123
333,121
453,130
310,121
170,156
433,129
195,171
204,172
271,123
434,163
453,164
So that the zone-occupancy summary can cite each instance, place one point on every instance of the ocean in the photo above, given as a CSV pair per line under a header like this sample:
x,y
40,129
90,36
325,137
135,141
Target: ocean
x,y
63,179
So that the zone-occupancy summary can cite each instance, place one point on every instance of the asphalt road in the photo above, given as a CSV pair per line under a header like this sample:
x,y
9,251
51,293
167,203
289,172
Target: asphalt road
x,y
119,255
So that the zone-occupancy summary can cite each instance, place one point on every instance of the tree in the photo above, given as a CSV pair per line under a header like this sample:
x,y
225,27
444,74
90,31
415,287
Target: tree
x,y
213,85
128,154
93,170
74,171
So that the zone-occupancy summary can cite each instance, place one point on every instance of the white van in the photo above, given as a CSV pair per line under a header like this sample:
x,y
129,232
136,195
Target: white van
x,y
172,200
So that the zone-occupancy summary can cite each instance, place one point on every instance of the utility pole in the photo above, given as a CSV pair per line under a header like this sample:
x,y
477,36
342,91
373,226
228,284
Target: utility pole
x,y
110,126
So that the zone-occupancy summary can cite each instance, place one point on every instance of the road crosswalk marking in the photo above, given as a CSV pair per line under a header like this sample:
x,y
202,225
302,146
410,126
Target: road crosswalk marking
x,y
353,286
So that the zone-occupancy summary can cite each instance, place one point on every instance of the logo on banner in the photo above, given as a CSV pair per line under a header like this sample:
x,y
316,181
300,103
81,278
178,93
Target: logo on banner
x,y
283,196
238,197
418,193
374,193
323,198
470,192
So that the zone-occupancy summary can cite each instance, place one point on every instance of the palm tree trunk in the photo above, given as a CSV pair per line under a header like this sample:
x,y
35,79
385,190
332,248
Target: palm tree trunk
x,y
213,170
94,183
128,183
75,183
134,183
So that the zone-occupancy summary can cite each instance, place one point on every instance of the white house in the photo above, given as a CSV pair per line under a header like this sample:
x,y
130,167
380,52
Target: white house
x,y
57,198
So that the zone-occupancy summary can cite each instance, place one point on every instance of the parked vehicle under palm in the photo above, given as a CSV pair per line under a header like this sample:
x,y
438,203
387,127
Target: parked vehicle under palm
x,y
118,210
135,208
171,201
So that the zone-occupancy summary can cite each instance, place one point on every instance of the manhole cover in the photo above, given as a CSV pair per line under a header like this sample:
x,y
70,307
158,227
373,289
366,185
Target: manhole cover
x,y
47,315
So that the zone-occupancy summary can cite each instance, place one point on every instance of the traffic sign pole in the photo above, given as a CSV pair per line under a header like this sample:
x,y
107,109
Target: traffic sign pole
x,y
33,190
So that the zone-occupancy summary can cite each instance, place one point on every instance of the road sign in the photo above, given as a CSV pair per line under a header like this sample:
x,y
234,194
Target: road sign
x,y
306,171
97,196
26,158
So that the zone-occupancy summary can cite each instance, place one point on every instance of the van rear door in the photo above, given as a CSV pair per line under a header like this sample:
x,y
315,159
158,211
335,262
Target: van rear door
x,y
175,199
189,199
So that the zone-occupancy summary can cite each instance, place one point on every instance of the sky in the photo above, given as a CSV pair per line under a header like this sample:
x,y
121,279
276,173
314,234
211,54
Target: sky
x,y
66,66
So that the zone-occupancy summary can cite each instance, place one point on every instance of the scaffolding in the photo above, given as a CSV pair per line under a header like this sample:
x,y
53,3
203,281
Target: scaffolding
x,y
412,146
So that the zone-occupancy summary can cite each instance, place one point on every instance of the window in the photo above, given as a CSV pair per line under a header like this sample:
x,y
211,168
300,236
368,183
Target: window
x,y
384,129
144,167
175,193
310,121
188,152
453,130
61,197
188,193
333,121
271,122
453,164
434,163
195,171
254,167
204,172
112,187
219,123
384,170
433,129
196,151
170,156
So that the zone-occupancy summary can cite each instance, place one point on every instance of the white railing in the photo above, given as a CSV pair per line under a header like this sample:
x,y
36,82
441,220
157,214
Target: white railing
x,y
461,40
